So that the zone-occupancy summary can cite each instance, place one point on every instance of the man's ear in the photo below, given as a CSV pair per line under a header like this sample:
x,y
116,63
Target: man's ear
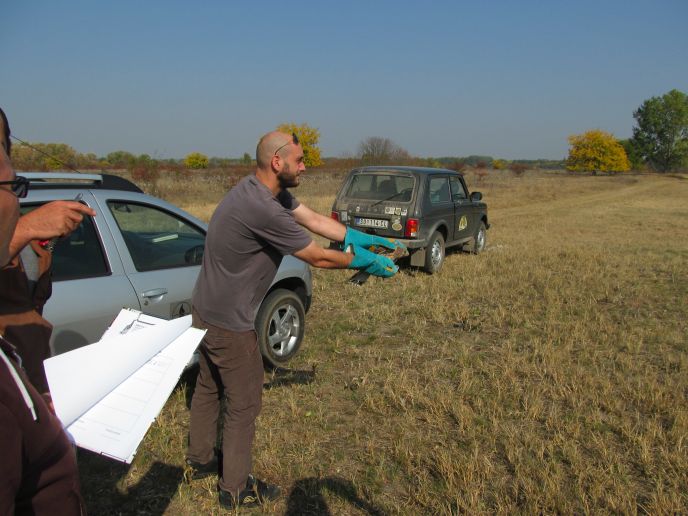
x,y
276,163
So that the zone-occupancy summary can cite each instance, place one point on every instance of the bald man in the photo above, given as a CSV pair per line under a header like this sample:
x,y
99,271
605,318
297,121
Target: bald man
x,y
254,226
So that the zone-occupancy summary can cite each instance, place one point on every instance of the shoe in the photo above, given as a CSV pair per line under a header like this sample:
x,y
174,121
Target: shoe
x,y
202,470
255,493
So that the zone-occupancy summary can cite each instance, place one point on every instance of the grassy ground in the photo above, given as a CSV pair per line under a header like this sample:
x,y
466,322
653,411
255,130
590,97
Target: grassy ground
x,y
548,374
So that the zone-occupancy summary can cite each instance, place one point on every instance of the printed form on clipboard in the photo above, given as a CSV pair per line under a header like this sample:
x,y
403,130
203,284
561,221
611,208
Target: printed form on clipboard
x,y
108,394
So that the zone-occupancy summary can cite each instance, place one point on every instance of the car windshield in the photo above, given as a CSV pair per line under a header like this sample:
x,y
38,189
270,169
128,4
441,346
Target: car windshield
x,y
381,187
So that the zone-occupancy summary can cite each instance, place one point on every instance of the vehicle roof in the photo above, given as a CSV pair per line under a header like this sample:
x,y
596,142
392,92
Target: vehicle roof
x,y
412,170
59,180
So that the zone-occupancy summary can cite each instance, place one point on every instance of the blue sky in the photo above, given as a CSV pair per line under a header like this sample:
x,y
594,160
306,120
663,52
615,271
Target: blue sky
x,y
503,78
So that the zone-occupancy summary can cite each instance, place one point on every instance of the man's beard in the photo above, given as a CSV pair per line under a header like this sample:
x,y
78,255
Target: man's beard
x,y
287,178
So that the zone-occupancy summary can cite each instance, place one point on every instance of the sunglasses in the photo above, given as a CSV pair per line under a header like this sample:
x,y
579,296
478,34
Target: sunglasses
x,y
294,140
20,186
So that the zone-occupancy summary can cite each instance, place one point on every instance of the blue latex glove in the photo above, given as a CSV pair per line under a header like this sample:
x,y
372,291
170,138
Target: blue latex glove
x,y
357,238
375,264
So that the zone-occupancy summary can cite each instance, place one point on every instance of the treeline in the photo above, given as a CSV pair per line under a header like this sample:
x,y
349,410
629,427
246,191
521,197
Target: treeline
x,y
43,157
477,161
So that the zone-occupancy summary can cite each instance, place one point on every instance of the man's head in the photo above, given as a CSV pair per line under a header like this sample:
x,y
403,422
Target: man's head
x,y
281,154
9,206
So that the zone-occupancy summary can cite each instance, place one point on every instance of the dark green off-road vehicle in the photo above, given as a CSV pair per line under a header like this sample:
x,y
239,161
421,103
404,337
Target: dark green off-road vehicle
x,y
428,209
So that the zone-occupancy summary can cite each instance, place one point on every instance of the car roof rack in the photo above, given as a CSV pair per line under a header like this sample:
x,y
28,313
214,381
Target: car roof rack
x,y
53,180
404,168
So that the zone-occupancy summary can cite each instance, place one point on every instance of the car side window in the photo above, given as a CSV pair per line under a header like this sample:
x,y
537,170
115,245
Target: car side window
x,y
79,255
438,190
157,239
457,189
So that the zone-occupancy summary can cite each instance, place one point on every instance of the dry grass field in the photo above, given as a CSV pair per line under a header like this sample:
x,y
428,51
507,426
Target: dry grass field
x,y
547,375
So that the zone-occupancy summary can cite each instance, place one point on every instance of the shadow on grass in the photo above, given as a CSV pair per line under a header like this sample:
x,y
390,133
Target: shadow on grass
x,y
281,377
151,495
306,497
278,377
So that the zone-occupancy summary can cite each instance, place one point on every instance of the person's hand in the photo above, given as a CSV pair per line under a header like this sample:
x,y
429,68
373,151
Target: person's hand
x,y
375,264
357,238
54,219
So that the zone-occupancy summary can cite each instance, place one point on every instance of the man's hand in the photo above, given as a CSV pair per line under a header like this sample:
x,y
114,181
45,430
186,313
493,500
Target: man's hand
x,y
52,220
357,238
375,264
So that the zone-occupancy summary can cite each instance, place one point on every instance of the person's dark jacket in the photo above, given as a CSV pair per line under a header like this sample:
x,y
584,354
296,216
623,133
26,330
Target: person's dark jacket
x,y
38,470
21,320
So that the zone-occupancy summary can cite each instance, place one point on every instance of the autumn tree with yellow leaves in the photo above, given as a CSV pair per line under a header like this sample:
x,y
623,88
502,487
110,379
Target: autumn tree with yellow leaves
x,y
308,138
596,151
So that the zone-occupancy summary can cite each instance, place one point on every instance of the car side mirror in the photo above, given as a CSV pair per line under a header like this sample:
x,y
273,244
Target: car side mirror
x,y
476,196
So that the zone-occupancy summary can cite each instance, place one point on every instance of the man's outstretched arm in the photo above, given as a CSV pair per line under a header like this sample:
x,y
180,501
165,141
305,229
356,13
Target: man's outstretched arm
x,y
319,224
323,258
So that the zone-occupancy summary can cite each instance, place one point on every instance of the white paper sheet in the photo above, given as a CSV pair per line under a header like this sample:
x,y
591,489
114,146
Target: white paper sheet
x,y
107,394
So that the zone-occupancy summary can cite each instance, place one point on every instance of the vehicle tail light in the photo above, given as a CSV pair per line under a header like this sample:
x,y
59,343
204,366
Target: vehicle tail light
x,y
334,215
411,228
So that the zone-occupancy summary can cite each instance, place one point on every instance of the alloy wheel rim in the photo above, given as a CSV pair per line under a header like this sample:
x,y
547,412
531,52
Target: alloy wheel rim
x,y
283,330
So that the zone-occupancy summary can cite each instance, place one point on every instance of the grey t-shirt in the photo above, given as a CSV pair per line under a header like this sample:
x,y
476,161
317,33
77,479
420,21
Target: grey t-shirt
x,y
248,234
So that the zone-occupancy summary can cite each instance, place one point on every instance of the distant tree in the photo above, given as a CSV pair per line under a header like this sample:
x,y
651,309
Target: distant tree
x,y
376,150
120,159
26,158
60,156
481,164
144,168
661,135
596,151
499,164
475,161
458,165
246,158
89,160
308,138
633,153
518,169
196,161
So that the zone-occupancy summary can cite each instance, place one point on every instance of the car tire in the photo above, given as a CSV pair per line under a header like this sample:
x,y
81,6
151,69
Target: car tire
x,y
477,245
434,253
280,326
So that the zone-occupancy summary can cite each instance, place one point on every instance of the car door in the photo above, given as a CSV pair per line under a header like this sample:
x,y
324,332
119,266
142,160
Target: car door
x,y
89,283
439,208
463,213
163,250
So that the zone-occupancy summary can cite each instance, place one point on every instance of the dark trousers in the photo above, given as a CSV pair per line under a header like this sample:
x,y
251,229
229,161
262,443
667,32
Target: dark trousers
x,y
230,365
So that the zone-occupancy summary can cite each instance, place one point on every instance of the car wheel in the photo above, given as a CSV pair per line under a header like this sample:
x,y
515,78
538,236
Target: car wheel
x,y
434,253
479,239
280,325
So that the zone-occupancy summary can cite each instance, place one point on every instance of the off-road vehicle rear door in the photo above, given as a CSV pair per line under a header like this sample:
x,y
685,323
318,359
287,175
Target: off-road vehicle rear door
x,y
378,202
439,207
464,214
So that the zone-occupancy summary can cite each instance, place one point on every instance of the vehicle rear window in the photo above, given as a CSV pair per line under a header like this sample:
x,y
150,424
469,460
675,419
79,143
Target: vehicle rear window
x,y
381,187
79,255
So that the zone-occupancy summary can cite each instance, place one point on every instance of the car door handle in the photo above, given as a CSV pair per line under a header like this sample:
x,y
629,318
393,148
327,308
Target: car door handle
x,y
156,292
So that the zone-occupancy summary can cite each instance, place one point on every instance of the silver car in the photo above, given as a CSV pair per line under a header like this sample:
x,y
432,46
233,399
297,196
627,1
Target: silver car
x,y
144,253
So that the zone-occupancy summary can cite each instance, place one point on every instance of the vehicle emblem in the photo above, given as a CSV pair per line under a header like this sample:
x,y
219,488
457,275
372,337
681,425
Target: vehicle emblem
x,y
396,226
463,222
397,211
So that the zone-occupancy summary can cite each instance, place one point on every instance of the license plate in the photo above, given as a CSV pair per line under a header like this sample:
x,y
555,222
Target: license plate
x,y
372,223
